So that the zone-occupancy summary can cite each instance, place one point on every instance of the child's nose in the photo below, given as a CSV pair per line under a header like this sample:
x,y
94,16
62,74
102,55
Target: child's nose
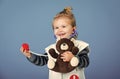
x,y
60,29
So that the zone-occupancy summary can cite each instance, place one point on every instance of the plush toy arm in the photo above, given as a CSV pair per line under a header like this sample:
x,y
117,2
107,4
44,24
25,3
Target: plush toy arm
x,y
53,53
75,50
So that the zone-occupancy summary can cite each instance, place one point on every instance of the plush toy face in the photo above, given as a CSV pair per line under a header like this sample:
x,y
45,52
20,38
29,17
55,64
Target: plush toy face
x,y
64,45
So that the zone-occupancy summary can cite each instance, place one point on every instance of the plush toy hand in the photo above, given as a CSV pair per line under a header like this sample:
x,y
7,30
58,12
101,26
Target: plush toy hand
x,y
53,53
75,50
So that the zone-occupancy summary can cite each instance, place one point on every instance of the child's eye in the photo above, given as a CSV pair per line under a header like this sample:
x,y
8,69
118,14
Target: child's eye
x,y
63,26
55,27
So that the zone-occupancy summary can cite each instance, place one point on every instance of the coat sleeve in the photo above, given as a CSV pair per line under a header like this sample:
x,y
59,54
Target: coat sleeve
x,y
83,58
38,60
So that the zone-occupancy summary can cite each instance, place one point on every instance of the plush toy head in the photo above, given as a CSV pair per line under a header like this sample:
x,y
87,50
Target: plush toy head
x,y
59,65
64,45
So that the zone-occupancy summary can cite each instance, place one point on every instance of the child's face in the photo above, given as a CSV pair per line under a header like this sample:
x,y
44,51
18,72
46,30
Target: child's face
x,y
62,28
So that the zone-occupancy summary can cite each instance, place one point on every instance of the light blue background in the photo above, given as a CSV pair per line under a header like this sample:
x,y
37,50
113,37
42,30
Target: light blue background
x,y
98,23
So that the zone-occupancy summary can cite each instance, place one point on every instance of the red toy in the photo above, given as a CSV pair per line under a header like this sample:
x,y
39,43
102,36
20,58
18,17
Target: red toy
x,y
25,46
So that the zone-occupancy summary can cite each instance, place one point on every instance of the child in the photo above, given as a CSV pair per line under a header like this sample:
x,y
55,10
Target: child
x,y
64,26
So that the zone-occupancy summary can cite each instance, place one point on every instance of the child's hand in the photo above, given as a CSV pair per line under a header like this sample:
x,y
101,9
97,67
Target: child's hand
x,y
67,56
25,50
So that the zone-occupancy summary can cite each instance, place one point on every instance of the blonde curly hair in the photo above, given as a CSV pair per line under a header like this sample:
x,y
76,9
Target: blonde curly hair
x,y
67,13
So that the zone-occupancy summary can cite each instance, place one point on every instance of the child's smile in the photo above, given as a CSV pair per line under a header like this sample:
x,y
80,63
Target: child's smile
x,y
61,34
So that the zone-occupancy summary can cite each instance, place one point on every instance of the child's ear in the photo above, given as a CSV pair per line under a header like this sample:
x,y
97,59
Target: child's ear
x,y
74,28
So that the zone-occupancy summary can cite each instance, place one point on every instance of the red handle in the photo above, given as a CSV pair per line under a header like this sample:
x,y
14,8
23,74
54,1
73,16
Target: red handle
x,y
25,46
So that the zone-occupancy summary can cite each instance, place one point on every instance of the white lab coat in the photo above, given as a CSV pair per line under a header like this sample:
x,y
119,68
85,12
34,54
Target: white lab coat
x,y
79,72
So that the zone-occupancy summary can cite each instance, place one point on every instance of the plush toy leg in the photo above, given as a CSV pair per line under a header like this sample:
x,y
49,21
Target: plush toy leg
x,y
74,61
51,64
